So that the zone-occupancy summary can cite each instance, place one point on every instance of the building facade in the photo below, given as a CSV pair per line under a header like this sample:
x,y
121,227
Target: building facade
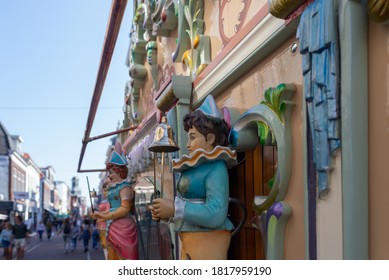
x,y
28,190
33,178
64,198
305,87
20,181
6,146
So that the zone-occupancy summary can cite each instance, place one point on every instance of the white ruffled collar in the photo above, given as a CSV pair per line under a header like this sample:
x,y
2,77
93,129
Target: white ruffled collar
x,y
115,184
200,156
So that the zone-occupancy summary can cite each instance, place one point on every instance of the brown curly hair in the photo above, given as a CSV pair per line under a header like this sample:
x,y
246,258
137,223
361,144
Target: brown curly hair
x,y
121,170
205,125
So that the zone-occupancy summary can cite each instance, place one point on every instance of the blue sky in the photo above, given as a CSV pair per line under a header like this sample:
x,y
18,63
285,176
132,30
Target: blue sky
x,y
49,57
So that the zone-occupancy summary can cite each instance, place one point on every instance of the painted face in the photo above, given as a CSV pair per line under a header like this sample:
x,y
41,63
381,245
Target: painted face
x,y
198,141
113,176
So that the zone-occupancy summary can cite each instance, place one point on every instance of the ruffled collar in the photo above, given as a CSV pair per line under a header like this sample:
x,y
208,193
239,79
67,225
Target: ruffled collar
x,y
115,184
201,156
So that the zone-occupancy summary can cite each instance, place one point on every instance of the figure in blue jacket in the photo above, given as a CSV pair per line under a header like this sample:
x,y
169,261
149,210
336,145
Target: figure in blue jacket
x,y
200,208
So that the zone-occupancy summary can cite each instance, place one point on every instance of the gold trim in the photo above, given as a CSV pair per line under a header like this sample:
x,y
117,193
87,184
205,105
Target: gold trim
x,y
379,10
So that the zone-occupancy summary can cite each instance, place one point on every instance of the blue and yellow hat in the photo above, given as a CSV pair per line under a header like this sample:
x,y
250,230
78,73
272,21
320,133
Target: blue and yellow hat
x,y
210,109
117,156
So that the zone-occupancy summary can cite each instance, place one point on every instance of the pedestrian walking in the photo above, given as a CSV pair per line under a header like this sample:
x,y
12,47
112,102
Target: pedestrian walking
x,y
95,237
29,224
5,238
41,229
75,234
86,235
55,224
19,237
49,228
60,223
66,233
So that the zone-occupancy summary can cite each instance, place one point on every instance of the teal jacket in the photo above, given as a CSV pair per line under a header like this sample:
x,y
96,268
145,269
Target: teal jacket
x,y
203,198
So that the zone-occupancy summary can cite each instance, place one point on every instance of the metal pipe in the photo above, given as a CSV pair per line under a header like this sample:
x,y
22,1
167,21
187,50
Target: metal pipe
x,y
90,197
155,174
115,19
92,170
111,133
162,173
102,136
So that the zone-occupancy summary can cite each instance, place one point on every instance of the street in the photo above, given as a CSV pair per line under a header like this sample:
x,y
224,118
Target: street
x,y
53,249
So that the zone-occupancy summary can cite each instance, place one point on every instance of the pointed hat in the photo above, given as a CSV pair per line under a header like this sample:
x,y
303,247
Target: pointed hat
x,y
210,109
118,157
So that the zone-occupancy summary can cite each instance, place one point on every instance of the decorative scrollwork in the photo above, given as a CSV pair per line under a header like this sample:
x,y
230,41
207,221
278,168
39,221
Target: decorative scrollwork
x,y
274,111
241,18
164,18
273,114
132,100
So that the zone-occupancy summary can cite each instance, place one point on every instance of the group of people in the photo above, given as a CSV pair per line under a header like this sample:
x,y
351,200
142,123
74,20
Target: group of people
x,y
75,229
17,235
14,236
199,211
72,230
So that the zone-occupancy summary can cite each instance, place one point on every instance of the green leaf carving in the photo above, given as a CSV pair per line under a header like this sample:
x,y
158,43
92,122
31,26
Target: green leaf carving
x,y
271,181
273,100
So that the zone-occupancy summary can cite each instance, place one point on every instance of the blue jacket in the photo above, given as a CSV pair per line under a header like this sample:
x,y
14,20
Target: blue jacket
x,y
203,198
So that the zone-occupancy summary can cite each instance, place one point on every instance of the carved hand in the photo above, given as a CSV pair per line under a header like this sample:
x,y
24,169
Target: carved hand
x,y
162,208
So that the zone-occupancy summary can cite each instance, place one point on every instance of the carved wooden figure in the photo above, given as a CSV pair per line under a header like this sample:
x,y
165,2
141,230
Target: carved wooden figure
x,y
122,236
200,208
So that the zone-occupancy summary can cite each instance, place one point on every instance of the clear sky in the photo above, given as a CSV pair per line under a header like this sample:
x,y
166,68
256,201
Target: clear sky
x,y
49,57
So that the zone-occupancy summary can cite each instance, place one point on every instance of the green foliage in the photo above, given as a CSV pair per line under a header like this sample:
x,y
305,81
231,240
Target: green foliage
x,y
273,100
265,134
271,181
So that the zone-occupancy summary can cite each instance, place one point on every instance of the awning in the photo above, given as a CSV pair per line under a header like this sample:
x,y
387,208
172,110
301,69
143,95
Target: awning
x,y
62,216
3,217
51,211
6,205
